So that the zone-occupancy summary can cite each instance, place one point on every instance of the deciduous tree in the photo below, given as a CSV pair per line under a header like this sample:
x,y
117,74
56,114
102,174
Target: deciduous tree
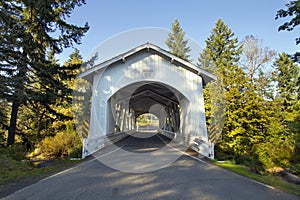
x,y
255,56
293,13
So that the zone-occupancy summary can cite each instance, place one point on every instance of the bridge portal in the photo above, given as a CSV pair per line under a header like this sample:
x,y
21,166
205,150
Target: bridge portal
x,y
147,79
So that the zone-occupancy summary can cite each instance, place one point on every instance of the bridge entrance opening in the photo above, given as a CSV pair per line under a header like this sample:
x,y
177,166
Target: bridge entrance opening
x,y
145,105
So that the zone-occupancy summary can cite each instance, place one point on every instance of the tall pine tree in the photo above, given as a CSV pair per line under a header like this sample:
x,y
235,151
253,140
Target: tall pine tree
x,y
26,35
286,76
221,56
281,140
221,49
176,42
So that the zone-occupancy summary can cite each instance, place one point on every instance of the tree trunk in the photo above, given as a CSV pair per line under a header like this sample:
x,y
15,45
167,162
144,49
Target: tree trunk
x,y
40,124
13,122
18,98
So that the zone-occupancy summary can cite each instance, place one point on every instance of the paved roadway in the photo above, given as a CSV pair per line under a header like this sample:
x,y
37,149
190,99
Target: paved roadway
x,y
186,178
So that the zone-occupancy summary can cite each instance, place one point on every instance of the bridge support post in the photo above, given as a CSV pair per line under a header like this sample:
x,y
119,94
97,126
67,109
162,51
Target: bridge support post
x,y
123,119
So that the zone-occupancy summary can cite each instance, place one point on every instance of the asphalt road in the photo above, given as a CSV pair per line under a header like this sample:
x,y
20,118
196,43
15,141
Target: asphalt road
x,y
152,176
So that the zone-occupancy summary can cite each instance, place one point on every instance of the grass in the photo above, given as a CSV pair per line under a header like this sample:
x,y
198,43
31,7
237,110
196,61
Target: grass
x,y
12,170
269,179
146,123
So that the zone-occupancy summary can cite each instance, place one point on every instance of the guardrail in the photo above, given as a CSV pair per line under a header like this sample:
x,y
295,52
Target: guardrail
x,y
204,147
168,134
177,137
91,145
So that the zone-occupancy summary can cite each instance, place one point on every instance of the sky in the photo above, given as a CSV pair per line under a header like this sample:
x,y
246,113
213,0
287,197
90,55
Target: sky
x,y
110,19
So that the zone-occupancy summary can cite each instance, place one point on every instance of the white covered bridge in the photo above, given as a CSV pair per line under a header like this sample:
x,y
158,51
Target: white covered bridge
x,y
147,79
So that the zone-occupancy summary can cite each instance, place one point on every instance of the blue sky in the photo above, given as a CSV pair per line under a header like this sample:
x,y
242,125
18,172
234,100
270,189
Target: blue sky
x,y
197,17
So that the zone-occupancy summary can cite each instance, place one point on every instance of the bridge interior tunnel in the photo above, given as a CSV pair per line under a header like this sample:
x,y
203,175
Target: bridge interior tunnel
x,y
127,104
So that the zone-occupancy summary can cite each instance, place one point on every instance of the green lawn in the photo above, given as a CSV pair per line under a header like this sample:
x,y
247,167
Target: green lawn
x,y
11,170
269,179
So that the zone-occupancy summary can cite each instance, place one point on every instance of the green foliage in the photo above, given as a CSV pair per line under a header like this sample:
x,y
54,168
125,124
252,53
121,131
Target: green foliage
x,y
176,42
293,10
286,76
4,106
142,119
11,168
259,131
64,144
269,179
292,13
147,119
28,30
16,151
221,56
222,49
215,109
275,152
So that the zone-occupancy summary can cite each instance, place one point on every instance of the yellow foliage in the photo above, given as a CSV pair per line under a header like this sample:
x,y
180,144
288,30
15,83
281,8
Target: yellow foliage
x,y
63,144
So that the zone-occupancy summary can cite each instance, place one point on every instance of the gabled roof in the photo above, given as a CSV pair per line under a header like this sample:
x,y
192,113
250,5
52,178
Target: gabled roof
x,y
207,77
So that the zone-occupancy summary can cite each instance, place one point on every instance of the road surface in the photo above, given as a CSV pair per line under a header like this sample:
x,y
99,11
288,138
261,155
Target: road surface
x,y
187,177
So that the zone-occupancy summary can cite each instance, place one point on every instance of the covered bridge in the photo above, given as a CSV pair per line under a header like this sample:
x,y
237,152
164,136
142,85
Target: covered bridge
x,y
147,79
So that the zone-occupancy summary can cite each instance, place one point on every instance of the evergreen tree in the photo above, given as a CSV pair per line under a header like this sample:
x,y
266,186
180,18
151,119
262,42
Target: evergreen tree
x,y
286,76
221,49
3,121
64,105
245,122
82,94
282,139
221,56
39,117
176,42
26,34
256,111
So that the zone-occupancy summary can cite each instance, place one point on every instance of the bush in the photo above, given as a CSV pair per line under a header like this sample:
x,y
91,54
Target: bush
x,y
254,164
275,152
15,151
296,169
63,144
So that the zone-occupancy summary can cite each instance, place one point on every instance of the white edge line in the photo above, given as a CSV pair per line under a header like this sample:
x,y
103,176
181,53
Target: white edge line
x,y
268,186
247,178
252,180
84,163
59,173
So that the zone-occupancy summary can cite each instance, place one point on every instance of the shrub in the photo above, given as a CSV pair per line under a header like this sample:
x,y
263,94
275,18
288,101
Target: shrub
x,y
15,151
63,144
222,153
296,169
275,152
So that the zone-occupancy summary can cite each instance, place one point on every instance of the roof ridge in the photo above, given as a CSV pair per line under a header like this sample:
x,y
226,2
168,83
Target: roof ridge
x,y
173,58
